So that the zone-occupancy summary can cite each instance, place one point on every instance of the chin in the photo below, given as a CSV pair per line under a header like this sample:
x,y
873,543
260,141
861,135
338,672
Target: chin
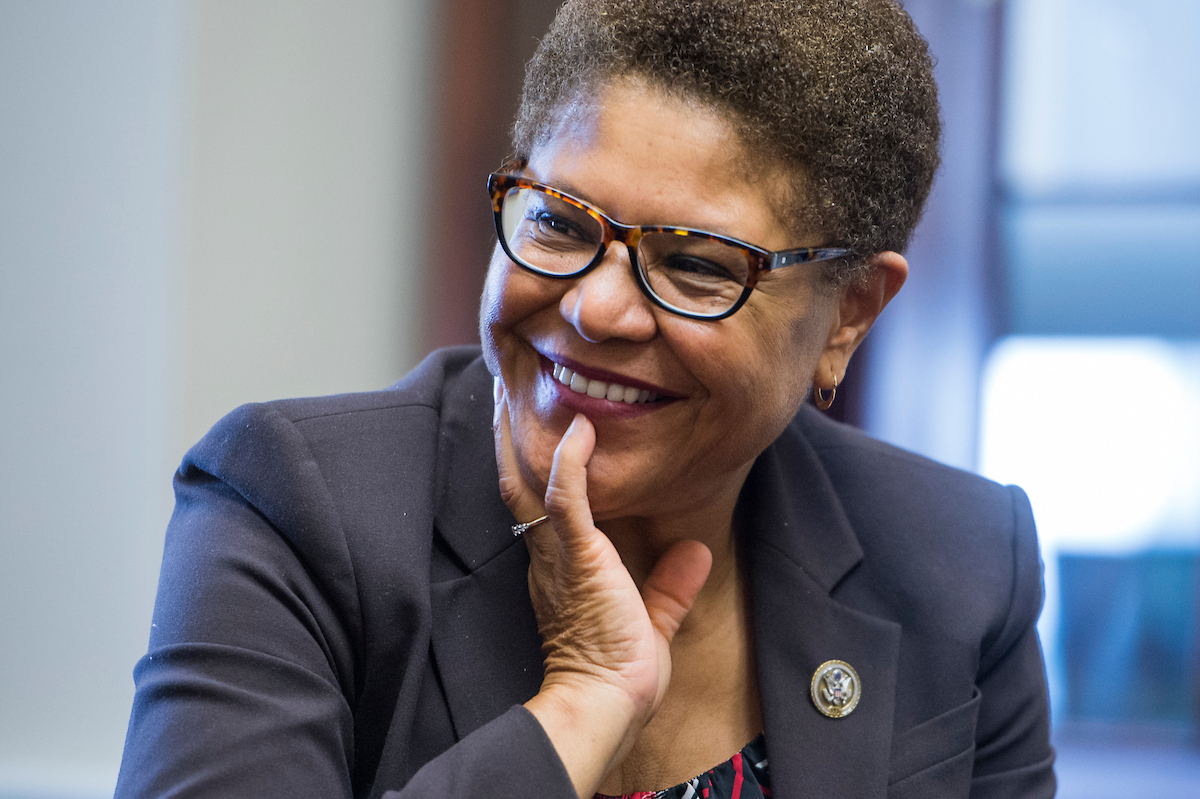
x,y
615,492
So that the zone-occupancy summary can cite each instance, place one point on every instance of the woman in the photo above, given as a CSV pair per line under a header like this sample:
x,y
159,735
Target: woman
x,y
344,608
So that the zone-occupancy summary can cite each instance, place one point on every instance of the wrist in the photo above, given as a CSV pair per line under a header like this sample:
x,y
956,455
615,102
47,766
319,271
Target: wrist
x,y
591,724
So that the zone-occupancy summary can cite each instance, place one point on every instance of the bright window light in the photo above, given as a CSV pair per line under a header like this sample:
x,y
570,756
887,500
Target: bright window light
x,y
1103,434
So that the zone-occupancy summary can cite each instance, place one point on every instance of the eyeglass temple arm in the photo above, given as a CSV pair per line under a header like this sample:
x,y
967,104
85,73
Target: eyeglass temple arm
x,y
806,255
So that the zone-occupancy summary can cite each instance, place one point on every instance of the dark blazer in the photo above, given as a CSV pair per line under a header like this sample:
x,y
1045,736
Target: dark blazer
x,y
343,611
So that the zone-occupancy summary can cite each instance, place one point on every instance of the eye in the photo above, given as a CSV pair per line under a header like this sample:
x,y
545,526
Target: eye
x,y
551,224
698,269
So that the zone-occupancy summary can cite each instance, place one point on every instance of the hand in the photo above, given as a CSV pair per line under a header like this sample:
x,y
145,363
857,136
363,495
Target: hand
x,y
607,646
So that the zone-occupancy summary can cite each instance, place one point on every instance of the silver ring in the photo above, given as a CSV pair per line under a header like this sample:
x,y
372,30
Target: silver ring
x,y
519,529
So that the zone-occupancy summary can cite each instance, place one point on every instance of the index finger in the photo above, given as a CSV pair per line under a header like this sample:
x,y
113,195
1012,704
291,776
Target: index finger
x,y
566,492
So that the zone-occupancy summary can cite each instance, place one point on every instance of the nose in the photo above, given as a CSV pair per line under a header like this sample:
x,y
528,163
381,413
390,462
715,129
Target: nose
x,y
607,303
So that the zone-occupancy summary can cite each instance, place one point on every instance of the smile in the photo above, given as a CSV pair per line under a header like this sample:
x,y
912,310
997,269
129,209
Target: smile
x,y
598,389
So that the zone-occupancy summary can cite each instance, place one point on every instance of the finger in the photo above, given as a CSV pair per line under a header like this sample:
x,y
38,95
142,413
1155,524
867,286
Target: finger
x,y
524,503
673,585
566,491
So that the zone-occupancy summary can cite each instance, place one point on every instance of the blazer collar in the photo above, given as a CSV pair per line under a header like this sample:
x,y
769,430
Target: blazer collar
x,y
798,546
485,641
790,503
470,516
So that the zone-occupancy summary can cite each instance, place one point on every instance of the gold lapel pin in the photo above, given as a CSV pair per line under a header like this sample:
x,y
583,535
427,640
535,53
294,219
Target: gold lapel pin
x,y
836,689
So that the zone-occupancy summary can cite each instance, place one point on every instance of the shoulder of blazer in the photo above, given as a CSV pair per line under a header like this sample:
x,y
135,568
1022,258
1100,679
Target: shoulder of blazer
x,y
838,442
923,524
270,451
351,472
346,486
867,472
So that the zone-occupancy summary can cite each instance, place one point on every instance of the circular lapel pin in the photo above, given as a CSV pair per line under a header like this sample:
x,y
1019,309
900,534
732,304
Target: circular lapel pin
x,y
836,689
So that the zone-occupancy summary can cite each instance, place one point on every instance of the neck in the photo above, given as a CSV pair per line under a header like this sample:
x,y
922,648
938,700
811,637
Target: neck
x,y
713,684
642,540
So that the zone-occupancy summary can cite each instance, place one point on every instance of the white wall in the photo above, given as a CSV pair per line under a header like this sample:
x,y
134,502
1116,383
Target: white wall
x,y
306,173
201,203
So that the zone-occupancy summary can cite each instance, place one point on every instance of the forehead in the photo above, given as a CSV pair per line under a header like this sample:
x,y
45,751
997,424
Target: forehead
x,y
645,156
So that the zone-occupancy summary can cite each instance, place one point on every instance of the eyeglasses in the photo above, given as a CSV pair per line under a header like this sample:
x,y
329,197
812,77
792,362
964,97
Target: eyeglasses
x,y
692,273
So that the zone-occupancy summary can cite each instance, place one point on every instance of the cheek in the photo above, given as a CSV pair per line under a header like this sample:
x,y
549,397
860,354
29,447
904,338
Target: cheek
x,y
808,338
510,297
490,309
801,348
773,361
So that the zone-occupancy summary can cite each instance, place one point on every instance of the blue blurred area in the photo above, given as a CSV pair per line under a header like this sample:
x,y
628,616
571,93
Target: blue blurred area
x,y
1127,769
1104,268
1093,406
1128,636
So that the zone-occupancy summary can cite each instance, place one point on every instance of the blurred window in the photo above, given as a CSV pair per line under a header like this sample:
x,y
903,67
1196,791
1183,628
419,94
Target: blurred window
x,y
1104,435
1093,404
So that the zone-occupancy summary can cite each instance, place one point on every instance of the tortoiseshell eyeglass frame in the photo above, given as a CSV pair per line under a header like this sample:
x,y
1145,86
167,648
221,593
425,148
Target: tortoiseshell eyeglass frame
x,y
758,259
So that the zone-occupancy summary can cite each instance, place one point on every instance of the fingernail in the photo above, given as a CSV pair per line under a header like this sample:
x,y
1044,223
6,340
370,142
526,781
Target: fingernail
x,y
576,423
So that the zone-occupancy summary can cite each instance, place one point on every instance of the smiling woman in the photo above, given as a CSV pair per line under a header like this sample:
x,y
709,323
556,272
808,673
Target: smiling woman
x,y
660,573
653,158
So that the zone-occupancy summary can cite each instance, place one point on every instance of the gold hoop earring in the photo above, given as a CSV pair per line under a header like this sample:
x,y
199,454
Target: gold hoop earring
x,y
820,400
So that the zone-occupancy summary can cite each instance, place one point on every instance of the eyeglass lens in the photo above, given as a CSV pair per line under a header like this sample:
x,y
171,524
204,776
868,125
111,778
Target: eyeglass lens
x,y
690,272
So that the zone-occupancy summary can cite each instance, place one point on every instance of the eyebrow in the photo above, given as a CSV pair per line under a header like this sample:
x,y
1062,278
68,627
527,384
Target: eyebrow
x,y
566,187
569,188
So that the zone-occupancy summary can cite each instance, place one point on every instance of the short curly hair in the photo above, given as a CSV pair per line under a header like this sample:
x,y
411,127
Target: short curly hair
x,y
841,92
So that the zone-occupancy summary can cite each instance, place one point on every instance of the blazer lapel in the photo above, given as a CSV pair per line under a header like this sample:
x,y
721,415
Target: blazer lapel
x,y
486,645
798,547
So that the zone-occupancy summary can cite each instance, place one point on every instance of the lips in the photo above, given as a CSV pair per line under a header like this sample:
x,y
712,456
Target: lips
x,y
599,389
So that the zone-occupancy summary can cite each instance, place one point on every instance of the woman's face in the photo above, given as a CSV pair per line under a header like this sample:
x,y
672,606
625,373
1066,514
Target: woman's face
x,y
725,389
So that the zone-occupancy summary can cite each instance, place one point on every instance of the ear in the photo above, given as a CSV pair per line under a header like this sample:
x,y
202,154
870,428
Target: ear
x,y
858,306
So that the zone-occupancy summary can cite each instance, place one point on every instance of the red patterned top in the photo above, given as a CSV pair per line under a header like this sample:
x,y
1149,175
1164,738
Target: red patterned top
x,y
743,776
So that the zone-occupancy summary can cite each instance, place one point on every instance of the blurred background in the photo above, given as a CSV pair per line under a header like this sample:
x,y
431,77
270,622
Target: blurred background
x,y
209,202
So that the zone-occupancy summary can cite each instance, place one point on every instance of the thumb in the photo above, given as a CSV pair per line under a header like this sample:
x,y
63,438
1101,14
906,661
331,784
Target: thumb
x,y
673,585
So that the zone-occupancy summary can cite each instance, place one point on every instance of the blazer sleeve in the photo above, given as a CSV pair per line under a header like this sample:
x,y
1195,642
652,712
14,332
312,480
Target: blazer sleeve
x,y
1013,756
254,674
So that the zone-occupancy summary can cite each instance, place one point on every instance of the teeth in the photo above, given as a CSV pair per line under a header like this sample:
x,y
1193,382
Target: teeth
x,y
613,392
